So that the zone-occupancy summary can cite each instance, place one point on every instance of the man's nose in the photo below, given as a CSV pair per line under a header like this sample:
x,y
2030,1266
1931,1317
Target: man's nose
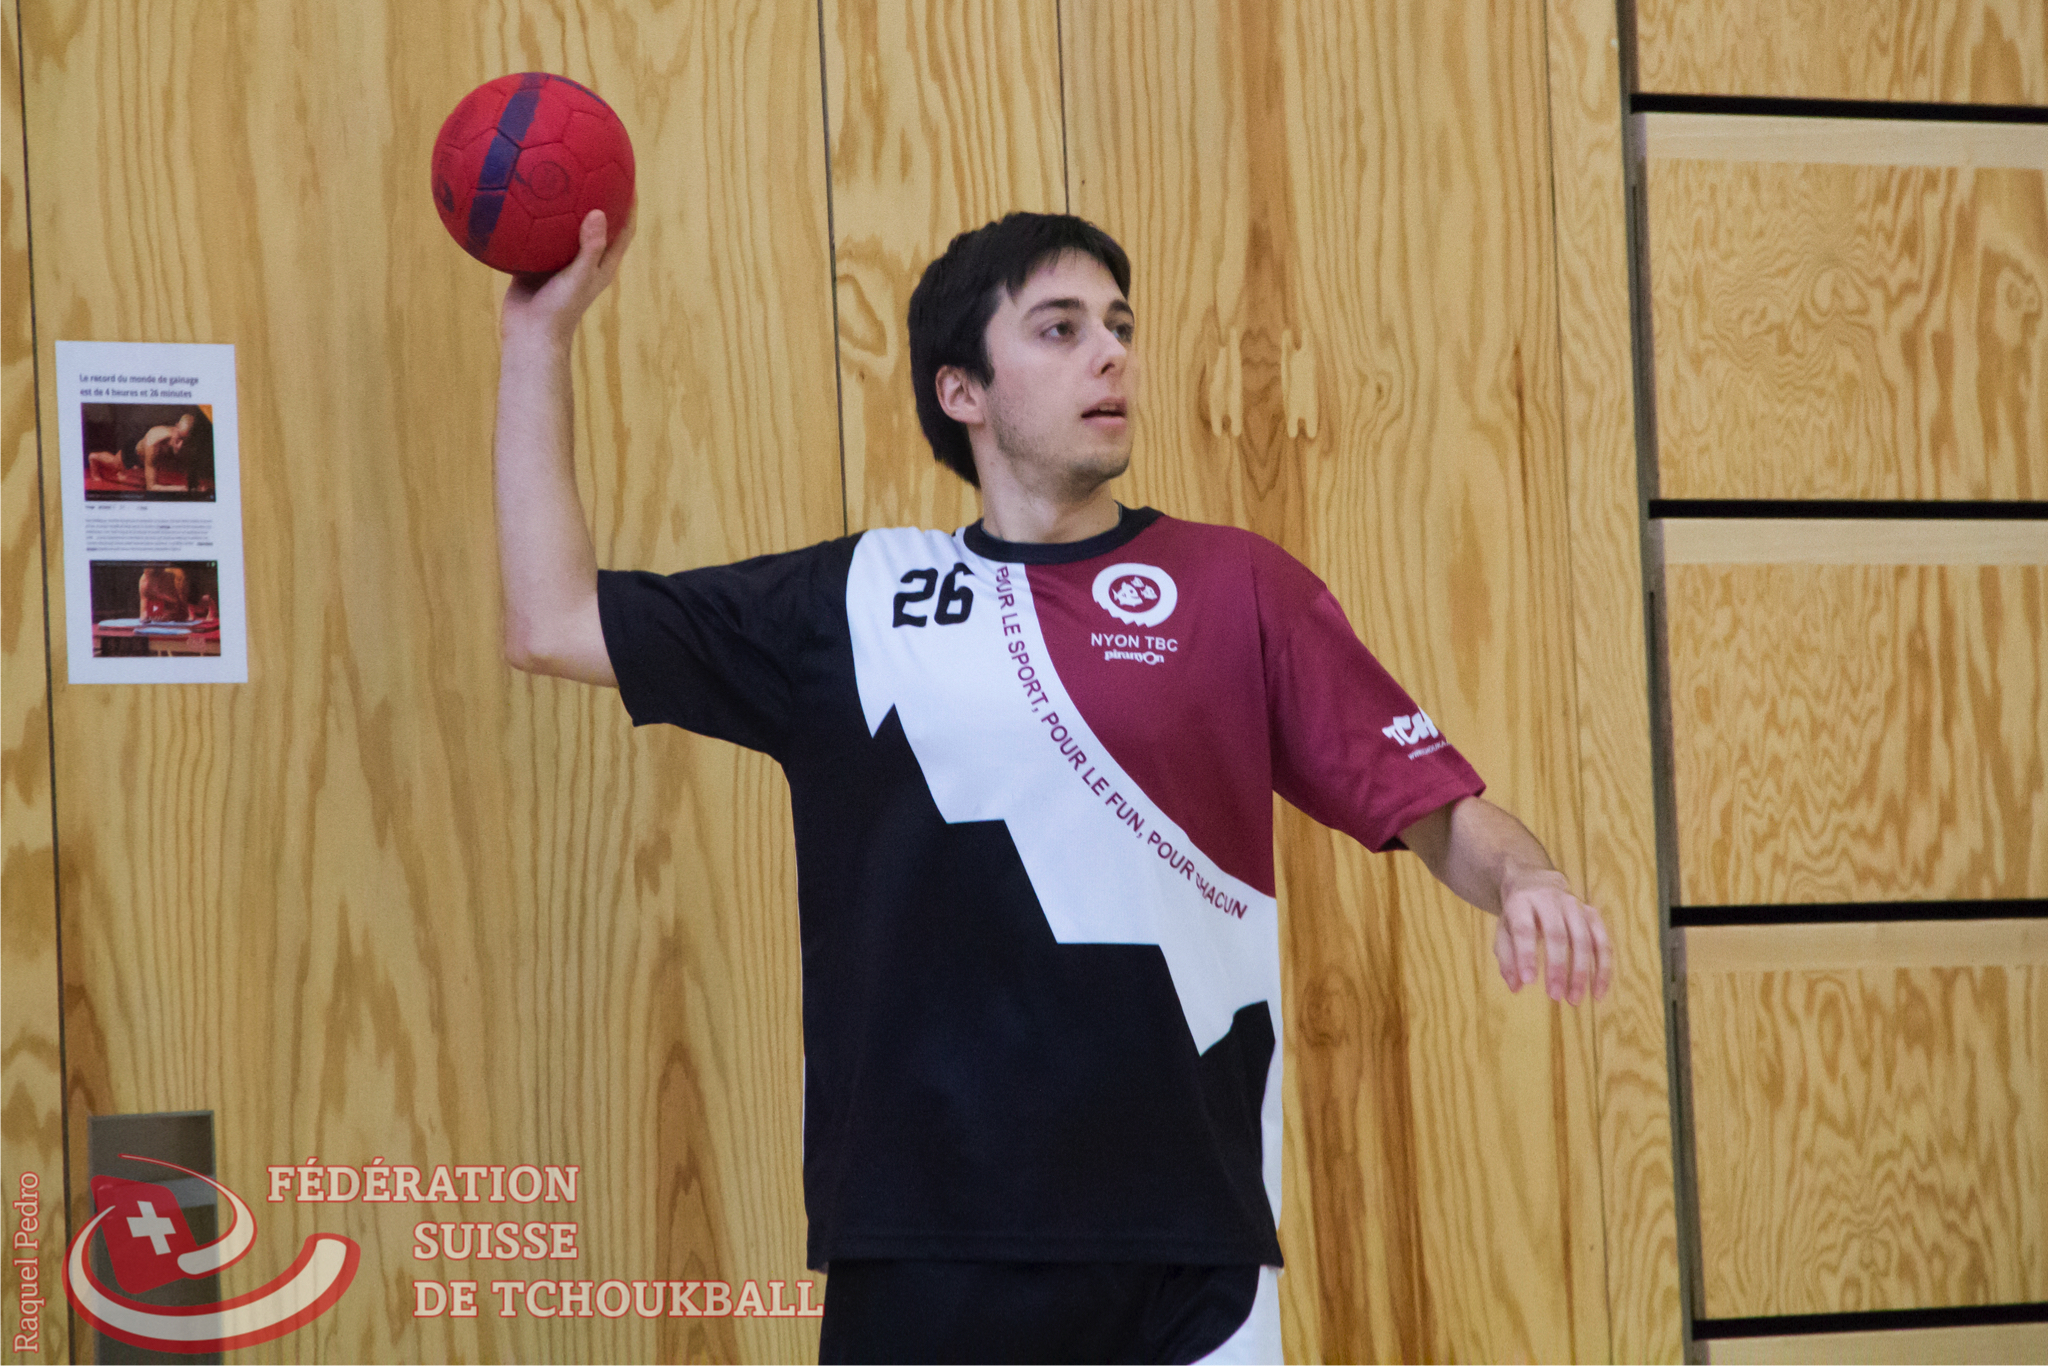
x,y
1112,352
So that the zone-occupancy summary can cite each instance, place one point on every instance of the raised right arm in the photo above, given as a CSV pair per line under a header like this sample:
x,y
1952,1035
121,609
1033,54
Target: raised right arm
x,y
546,562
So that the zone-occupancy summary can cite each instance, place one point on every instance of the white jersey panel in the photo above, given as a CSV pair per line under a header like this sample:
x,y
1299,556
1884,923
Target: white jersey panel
x,y
951,642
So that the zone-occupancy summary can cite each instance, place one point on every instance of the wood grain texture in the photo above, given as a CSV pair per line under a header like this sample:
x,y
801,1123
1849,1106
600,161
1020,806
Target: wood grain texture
x,y
1941,51
1850,733
1352,200
32,1093
1712,949
1616,780
1849,331
2009,1342
944,114
1844,142
1851,540
421,907
1871,1139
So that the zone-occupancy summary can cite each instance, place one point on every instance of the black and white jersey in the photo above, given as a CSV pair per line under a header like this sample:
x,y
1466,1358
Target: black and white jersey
x,y
1032,788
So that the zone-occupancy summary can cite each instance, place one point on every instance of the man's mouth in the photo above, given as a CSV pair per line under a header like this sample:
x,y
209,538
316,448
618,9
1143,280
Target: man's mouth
x,y
1114,408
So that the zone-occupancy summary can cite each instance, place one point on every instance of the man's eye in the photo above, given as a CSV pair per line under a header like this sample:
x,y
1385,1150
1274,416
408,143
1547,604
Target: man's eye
x,y
1125,332
1059,330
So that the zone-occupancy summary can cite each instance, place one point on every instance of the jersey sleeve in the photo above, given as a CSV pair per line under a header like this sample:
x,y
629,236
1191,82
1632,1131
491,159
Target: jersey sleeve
x,y
715,650
1350,747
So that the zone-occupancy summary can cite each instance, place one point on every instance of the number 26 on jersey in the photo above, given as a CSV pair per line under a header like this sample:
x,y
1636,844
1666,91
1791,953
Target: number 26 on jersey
x,y
956,599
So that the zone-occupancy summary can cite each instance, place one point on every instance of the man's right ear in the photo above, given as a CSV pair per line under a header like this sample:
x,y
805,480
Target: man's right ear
x,y
961,397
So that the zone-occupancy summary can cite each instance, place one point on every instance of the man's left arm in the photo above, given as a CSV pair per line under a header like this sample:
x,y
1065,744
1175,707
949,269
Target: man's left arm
x,y
1490,859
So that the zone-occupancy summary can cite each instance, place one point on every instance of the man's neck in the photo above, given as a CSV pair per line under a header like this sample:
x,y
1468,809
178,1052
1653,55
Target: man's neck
x,y
1040,521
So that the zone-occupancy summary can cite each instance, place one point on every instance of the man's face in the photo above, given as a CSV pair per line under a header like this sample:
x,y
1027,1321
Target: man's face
x,y
1061,405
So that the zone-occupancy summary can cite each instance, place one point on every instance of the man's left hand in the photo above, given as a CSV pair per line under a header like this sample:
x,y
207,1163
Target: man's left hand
x,y
1489,858
1538,907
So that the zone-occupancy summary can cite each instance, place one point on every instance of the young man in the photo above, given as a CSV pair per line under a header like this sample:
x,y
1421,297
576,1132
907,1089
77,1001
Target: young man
x,y
1031,765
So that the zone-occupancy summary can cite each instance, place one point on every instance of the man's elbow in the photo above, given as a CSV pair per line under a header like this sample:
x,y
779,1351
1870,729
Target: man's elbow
x,y
563,652
527,649
521,656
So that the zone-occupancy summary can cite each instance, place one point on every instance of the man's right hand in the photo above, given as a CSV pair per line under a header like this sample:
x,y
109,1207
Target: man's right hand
x,y
555,304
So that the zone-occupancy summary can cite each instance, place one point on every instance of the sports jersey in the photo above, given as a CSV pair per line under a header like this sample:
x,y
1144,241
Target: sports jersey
x,y
1031,788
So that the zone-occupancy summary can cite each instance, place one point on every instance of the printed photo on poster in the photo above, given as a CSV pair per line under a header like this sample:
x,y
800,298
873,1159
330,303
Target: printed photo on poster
x,y
142,608
138,451
151,477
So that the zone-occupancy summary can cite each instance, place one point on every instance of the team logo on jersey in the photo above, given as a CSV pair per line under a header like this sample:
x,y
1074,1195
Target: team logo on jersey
x,y
1410,731
1137,594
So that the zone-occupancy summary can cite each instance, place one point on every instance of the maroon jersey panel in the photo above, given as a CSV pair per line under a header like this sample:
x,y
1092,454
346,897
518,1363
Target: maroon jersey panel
x,y
1163,659
1216,669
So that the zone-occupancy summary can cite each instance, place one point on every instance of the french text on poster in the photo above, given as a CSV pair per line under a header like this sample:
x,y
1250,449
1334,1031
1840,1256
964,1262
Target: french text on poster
x,y
152,492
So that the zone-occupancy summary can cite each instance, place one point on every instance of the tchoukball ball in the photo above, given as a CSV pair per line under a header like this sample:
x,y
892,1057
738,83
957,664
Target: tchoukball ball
x,y
520,164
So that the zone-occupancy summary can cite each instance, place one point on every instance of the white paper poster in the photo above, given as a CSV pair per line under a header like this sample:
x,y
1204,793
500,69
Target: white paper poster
x,y
152,513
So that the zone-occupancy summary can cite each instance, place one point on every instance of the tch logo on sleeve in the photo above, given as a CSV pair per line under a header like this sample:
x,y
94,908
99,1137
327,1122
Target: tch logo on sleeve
x,y
1410,730
150,1244
1136,594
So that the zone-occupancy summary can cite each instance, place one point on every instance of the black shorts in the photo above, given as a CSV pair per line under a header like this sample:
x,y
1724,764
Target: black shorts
x,y
1031,1311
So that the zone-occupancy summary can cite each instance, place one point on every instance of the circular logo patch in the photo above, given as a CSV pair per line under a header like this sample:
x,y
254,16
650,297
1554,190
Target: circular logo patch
x,y
1137,594
546,179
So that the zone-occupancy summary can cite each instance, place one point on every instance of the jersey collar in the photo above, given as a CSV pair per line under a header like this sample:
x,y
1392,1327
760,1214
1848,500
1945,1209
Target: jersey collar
x,y
1130,521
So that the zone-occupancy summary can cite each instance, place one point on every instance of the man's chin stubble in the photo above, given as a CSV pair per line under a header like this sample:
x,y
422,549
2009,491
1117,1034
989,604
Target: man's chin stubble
x,y
1082,481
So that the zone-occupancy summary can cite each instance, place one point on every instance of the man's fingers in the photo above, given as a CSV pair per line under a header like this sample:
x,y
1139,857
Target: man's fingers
x,y
564,295
1605,951
1556,948
1582,951
608,264
1504,954
1578,956
1523,928
589,259
618,243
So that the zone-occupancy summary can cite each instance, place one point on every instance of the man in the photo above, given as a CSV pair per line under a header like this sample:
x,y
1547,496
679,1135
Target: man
x,y
158,456
161,450
165,594
1031,766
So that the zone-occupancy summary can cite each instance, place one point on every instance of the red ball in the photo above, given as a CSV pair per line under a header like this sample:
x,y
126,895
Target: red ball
x,y
521,162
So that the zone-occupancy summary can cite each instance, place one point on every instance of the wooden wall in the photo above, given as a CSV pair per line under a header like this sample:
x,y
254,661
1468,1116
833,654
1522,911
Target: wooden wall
x,y
1870,1104
435,911
1611,684
1868,732
426,908
1850,310
31,1076
1931,51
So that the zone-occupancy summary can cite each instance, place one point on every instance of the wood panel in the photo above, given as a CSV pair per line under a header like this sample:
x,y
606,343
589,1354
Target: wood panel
x,y
31,1110
1852,540
1851,946
1616,779
422,908
1849,331
1868,1135
1339,219
944,114
1943,51
1844,142
1851,733
2008,1342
